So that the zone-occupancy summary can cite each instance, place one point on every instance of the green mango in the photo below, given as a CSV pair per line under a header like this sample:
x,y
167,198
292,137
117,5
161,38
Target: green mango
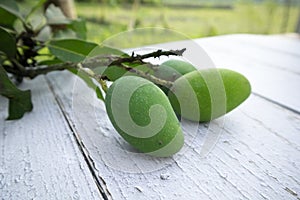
x,y
208,94
173,69
142,114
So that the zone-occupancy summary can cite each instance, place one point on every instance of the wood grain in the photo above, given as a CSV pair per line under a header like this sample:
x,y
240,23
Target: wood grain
x,y
256,156
273,75
39,157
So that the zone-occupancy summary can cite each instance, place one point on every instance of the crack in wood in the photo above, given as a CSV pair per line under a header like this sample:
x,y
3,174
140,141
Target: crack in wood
x,y
100,183
276,103
290,191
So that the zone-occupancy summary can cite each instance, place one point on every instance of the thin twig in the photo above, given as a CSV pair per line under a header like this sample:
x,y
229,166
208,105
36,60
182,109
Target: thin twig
x,y
133,58
19,67
34,72
148,76
91,74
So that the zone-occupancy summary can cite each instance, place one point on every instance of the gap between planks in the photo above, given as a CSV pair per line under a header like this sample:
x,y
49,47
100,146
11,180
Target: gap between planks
x,y
100,183
276,103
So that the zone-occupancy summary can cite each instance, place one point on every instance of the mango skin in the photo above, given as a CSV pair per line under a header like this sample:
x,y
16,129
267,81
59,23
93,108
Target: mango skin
x,y
207,94
173,69
162,143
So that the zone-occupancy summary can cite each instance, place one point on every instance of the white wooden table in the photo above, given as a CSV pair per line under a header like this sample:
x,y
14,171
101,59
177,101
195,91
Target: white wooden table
x,y
66,147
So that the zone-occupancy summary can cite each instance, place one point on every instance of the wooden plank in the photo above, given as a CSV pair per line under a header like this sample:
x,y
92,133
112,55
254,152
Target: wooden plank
x,y
280,43
254,158
277,84
39,157
261,52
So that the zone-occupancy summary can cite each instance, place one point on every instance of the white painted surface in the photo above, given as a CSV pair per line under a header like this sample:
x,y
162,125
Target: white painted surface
x,y
273,74
39,156
257,155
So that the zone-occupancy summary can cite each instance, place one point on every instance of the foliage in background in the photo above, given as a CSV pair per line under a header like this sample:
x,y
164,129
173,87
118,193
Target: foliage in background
x,y
265,17
194,18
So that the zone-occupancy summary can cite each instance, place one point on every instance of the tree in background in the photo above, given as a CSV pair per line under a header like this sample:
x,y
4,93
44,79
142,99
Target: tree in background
x,y
286,15
298,24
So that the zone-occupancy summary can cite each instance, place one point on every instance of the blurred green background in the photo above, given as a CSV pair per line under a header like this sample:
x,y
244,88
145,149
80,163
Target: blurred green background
x,y
194,18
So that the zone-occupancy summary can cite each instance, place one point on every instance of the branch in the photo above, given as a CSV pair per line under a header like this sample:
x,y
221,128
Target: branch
x,y
160,52
91,74
34,72
108,60
147,76
156,54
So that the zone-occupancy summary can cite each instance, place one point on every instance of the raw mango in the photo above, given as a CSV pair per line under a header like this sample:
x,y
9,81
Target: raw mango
x,y
208,94
142,114
173,69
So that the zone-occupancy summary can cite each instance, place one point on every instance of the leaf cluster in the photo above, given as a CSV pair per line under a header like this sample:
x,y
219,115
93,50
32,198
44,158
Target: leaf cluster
x,y
39,42
35,43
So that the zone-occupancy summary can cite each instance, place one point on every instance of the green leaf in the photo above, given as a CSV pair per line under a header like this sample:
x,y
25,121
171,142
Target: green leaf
x,y
19,101
36,22
7,43
72,31
105,50
72,50
55,16
9,12
64,34
50,61
10,5
44,34
38,5
6,18
79,27
88,81
111,72
1,59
